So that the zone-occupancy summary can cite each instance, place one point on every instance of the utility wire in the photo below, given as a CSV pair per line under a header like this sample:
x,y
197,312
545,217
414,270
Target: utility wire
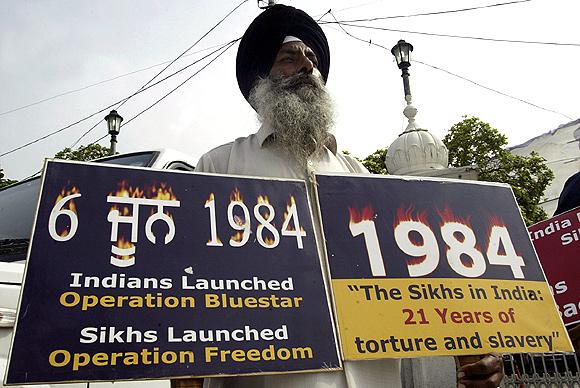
x,y
85,134
55,132
100,82
169,63
171,75
189,48
453,74
436,12
491,89
229,45
174,89
353,36
181,84
453,36
184,55
113,104
323,15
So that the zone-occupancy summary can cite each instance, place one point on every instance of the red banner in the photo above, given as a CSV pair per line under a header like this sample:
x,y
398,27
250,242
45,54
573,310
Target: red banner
x,y
557,243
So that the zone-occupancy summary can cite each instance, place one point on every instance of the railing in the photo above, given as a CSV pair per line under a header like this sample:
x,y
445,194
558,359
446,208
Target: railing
x,y
541,370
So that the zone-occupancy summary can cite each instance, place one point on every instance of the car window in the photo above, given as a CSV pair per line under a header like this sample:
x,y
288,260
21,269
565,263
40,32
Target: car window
x,y
17,207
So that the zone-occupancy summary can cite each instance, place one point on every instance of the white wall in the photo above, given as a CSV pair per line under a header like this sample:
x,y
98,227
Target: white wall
x,y
561,149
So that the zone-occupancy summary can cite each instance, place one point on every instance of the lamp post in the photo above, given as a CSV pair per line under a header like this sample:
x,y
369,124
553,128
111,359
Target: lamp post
x,y
113,120
262,5
416,151
402,52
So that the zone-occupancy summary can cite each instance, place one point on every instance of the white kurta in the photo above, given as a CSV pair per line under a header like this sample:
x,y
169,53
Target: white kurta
x,y
258,155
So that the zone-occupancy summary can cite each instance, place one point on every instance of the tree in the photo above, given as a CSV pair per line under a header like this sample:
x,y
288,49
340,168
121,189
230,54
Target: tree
x,y
474,142
5,181
375,162
84,153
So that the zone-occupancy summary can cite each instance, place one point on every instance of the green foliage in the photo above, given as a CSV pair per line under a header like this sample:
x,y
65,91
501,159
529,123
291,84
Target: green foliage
x,y
474,142
375,162
84,153
5,181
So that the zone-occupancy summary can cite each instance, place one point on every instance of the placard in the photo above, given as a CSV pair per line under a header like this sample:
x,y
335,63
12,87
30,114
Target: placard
x,y
144,274
425,267
557,243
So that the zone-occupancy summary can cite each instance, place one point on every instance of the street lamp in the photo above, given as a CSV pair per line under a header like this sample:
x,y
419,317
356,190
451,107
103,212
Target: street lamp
x,y
113,120
402,52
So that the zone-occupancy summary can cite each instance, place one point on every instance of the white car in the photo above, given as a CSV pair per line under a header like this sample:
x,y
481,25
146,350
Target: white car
x,y
17,208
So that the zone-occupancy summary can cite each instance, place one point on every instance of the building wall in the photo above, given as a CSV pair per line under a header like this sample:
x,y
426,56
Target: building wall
x,y
561,149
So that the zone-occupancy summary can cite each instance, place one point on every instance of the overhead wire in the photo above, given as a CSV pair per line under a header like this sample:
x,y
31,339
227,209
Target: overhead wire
x,y
493,90
174,89
101,82
141,89
158,82
190,47
183,54
336,21
111,105
370,42
453,36
437,12
229,45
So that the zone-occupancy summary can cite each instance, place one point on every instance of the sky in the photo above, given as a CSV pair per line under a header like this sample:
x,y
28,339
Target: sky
x,y
83,56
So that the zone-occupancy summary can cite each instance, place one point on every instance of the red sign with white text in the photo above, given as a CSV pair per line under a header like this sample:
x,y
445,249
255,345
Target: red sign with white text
x,y
557,243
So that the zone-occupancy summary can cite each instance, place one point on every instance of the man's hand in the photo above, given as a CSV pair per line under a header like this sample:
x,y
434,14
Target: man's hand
x,y
487,372
575,337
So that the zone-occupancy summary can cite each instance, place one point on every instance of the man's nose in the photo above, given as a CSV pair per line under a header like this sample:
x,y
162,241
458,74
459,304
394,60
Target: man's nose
x,y
306,65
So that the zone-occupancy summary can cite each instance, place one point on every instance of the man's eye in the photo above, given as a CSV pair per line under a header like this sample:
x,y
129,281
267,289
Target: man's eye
x,y
287,60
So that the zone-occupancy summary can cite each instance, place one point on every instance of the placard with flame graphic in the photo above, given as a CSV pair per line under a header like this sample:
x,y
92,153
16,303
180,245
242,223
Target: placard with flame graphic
x,y
137,273
424,267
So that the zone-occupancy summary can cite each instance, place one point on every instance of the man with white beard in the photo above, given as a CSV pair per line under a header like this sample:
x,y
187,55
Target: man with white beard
x,y
282,66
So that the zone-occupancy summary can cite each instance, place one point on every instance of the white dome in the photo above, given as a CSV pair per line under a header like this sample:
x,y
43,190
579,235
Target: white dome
x,y
415,149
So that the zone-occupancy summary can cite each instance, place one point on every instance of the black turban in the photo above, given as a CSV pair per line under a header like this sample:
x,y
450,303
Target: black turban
x,y
570,195
263,38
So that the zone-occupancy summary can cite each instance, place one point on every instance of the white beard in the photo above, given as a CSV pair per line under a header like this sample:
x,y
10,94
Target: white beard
x,y
299,110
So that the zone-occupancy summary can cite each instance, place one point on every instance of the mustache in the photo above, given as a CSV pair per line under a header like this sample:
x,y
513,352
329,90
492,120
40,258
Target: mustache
x,y
297,80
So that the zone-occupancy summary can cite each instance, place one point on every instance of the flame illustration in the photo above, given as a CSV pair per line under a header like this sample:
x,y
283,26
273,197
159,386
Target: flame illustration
x,y
124,244
162,192
264,199
287,213
210,198
495,221
70,205
268,241
409,214
236,196
367,213
447,216
237,237
124,190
